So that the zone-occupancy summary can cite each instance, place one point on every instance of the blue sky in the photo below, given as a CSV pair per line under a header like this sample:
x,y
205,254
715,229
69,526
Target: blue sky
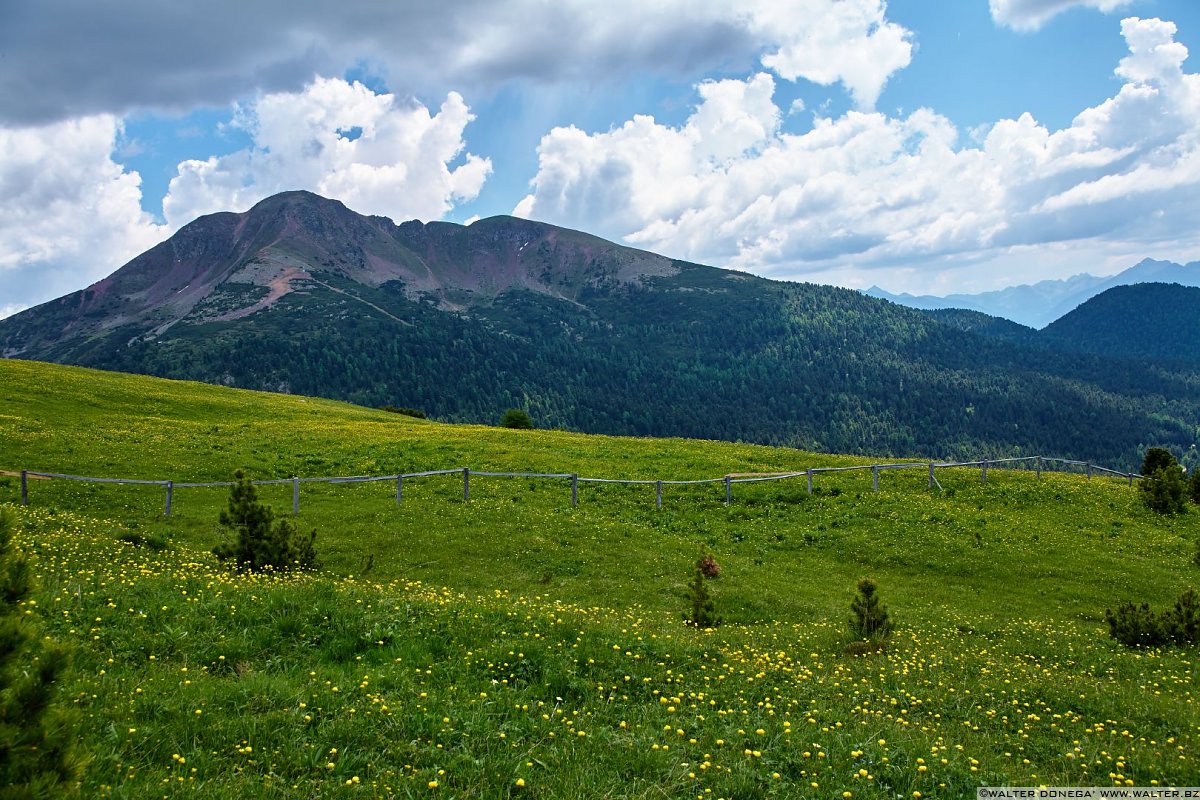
x,y
924,147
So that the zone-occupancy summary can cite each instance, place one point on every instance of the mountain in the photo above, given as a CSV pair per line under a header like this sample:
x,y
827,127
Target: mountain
x,y
225,267
300,294
1037,305
1145,321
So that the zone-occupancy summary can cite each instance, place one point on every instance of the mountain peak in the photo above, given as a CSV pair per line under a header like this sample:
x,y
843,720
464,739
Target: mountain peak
x,y
226,266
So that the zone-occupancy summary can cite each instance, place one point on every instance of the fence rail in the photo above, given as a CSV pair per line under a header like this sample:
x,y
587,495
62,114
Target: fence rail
x,y
728,480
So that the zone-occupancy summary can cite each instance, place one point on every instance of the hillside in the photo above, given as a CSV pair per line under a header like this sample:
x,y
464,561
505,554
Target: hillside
x,y
302,295
1155,321
984,325
512,645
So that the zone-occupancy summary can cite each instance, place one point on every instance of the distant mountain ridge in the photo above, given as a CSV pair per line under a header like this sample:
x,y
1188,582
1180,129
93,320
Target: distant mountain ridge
x,y
1037,305
300,294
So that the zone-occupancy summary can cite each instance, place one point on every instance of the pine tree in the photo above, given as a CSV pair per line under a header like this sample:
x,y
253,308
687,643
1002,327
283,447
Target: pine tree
x,y
38,753
1157,458
259,544
870,620
1164,490
704,610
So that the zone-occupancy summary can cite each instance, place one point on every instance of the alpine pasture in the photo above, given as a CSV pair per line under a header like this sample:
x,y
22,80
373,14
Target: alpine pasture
x,y
511,645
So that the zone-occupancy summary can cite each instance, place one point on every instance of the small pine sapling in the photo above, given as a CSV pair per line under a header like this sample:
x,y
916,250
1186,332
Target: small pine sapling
x,y
703,611
870,620
260,545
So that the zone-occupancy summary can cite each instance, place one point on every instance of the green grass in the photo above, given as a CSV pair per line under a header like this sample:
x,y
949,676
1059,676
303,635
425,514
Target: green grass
x,y
556,620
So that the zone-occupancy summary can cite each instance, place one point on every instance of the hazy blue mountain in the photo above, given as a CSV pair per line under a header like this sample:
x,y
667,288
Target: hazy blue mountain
x,y
1037,305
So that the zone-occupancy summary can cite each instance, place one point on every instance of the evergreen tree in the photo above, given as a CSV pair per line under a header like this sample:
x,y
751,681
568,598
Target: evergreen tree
x,y
1164,490
1157,458
704,610
870,620
38,753
259,544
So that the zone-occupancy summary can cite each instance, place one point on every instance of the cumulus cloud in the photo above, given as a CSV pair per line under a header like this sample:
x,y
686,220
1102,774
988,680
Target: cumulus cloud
x,y
68,212
866,189
339,139
854,44
67,58
1029,15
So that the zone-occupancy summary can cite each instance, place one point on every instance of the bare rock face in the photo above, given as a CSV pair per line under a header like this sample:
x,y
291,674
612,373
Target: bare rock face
x,y
227,266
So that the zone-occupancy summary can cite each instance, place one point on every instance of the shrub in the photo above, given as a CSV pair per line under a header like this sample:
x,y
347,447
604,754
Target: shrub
x,y
259,544
1194,486
1138,626
870,620
703,611
1135,626
38,753
516,418
406,411
1163,490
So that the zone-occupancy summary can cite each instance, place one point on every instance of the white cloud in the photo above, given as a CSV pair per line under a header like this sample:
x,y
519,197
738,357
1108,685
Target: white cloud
x,y
1029,15
68,212
88,60
866,190
853,43
338,139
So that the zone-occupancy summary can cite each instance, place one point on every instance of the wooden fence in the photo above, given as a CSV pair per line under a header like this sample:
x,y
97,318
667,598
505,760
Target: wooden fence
x,y
1038,464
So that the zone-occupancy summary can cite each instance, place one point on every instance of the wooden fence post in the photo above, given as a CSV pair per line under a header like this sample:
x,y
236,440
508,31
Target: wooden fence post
x,y
932,479
875,479
1089,471
574,490
983,473
1039,466
658,494
728,491
1130,476
295,495
466,483
809,471
399,488
24,488
170,491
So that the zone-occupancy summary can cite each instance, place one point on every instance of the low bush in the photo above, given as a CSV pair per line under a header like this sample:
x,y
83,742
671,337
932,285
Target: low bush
x,y
516,418
1138,626
404,410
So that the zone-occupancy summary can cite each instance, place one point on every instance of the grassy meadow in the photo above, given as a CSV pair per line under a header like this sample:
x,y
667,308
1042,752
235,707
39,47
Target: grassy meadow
x,y
514,646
